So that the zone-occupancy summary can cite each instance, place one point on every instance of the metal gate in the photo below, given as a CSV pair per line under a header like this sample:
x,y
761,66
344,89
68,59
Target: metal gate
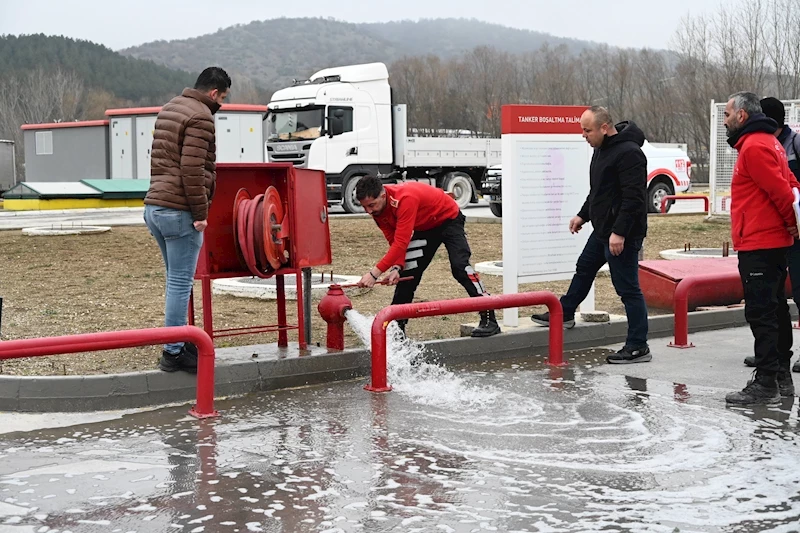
x,y
723,158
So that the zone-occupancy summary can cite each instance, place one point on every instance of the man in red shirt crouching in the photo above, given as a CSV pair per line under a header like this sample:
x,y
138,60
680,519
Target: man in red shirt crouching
x,y
416,218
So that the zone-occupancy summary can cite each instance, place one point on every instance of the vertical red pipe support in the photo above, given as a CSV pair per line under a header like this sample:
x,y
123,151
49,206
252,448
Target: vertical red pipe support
x,y
462,305
190,318
204,406
208,315
283,339
301,319
681,302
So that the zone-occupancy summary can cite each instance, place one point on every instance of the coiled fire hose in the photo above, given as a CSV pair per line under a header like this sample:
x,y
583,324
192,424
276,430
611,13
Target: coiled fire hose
x,y
260,231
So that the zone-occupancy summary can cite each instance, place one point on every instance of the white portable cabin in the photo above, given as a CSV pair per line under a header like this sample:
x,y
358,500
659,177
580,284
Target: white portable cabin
x,y
239,137
66,151
130,140
240,133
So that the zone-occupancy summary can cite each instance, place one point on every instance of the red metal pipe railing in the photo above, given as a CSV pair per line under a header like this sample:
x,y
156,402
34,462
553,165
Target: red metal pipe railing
x,y
685,197
462,305
112,340
681,302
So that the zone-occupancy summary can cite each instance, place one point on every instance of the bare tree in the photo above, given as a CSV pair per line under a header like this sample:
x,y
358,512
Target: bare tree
x,y
754,14
487,66
37,97
777,49
557,78
792,40
245,90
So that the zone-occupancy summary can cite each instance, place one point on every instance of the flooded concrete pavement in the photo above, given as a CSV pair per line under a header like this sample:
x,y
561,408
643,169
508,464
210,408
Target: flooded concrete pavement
x,y
507,446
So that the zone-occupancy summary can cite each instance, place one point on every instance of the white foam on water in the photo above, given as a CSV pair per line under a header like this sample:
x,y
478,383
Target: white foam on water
x,y
431,384
659,462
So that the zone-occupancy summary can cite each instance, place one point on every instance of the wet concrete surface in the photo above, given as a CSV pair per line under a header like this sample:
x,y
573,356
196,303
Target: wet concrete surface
x,y
507,446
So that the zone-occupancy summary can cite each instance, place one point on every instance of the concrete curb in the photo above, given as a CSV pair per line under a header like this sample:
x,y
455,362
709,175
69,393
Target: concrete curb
x,y
258,368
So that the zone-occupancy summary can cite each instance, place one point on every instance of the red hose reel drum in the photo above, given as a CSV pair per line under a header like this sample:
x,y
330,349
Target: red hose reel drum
x,y
241,196
275,231
260,231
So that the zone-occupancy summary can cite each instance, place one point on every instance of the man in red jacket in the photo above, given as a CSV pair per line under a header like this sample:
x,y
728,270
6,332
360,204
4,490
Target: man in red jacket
x,y
416,219
763,226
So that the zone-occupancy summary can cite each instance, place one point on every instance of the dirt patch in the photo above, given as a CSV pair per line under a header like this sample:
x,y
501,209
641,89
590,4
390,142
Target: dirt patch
x,y
79,284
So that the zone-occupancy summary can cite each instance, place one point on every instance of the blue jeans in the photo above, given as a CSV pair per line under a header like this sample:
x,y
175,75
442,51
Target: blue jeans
x,y
180,245
625,277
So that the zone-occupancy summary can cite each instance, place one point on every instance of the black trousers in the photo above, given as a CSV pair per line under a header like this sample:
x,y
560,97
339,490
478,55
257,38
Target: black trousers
x,y
794,270
422,249
763,275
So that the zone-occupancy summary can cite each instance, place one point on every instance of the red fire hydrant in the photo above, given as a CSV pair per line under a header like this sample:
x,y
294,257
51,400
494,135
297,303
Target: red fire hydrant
x,y
332,308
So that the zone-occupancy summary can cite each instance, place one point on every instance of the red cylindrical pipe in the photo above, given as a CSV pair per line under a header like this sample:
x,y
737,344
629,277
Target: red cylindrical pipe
x,y
681,302
283,339
673,197
462,305
111,340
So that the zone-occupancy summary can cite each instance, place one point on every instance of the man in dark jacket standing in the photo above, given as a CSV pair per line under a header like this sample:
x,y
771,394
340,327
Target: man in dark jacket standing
x,y
182,181
617,209
762,229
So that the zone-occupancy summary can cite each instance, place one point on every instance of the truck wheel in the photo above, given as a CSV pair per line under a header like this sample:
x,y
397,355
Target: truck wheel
x,y
655,194
349,201
460,186
496,209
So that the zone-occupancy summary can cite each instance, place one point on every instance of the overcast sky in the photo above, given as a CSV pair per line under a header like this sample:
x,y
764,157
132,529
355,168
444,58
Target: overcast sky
x,y
122,23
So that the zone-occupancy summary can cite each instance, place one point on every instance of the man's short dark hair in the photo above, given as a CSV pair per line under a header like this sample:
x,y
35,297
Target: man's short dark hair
x,y
213,78
368,187
774,109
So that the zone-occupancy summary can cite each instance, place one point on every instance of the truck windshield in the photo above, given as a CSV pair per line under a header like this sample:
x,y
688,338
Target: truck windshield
x,y
293,124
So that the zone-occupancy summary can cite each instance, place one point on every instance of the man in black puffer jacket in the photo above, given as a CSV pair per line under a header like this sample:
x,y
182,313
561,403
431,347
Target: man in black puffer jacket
x,y
617,208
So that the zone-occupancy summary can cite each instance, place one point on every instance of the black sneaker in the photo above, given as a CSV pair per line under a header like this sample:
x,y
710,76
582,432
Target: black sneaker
x,y
750,361
628,355
544,320
488,325
183,360
761,390
785,384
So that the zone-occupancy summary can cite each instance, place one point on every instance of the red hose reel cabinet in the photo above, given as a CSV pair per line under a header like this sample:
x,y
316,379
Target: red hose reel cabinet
x,y
265,220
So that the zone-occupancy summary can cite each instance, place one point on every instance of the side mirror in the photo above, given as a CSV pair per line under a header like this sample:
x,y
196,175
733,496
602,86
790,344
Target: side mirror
x,y
338,113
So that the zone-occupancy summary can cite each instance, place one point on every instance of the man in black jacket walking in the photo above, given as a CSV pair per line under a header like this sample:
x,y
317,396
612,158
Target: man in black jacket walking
x,y
617,208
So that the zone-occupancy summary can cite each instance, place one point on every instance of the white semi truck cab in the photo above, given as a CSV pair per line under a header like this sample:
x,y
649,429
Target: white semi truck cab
x,y
339,121
342,121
